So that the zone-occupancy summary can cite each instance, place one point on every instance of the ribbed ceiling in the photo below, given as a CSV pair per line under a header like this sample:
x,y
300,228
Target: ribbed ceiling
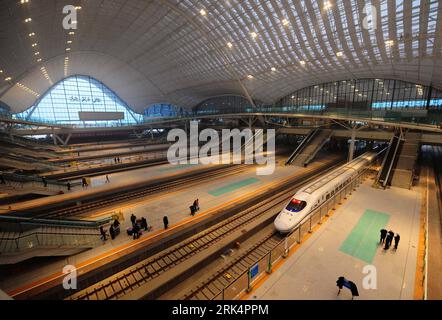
x,y
183,52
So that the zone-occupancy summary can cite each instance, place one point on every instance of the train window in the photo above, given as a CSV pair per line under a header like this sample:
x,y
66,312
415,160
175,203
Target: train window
x,y
328,196
296,205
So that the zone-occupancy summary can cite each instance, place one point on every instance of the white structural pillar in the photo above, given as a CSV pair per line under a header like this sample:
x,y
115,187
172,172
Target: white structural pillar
x,y
351,149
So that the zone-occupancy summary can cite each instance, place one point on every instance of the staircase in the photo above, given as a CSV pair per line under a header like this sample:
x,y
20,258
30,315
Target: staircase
x,y
52,238
301,146
384,176
312,147
403,172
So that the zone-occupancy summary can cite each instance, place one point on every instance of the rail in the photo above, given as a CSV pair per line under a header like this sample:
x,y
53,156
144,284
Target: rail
x,y
21,222
301,146
245,281
57,239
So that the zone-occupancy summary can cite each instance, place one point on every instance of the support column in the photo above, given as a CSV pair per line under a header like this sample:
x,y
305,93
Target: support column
x,y
54,137
351,149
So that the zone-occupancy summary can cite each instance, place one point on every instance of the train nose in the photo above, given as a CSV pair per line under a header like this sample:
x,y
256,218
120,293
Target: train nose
x,y
281,226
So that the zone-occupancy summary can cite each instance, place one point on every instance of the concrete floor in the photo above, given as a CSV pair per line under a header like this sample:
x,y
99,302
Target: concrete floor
x,y
173,204
311,272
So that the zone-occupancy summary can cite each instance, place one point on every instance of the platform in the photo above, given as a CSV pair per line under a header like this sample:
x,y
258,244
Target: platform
x,y
212,195
346,243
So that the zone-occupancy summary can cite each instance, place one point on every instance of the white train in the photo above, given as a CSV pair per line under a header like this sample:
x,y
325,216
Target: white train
x,y
319,191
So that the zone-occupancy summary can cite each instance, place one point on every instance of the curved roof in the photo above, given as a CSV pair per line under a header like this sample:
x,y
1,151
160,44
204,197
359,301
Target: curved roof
x,y
184,51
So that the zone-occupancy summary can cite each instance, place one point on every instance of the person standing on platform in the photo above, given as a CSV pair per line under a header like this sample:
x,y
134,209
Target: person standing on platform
x,y
383,235
107,179
133,219
166,222
2,179
112,231
103,234
136,231
69,186
144,223
45,183
388,240
397,238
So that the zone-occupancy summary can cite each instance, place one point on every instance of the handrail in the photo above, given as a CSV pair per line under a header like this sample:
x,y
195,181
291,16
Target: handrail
x,y
48,233
301,146
23,178
284,241
56,223
318,148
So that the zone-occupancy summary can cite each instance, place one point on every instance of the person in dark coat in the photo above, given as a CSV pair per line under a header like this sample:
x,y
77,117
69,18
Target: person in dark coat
x,y
136,231
166,222
397,238
388,240
340,283
45,183
112,232
2,179
69,186
103,234
196,205
383,235
354,290
144,223
133,219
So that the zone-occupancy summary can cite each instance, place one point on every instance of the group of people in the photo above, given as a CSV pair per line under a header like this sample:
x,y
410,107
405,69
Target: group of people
x,y
387,238
114,230
84,183
117,160
2,179
137,226
195,207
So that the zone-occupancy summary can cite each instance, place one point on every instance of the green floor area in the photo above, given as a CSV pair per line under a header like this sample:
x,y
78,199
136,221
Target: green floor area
x,y
232,187
362,242
177,167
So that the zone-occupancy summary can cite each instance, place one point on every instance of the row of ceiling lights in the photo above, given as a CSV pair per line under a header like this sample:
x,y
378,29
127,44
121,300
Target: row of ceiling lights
x,y
327,5
37,54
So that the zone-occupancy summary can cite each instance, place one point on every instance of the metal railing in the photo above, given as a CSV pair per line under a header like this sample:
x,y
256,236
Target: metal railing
x,y
244,282
44,239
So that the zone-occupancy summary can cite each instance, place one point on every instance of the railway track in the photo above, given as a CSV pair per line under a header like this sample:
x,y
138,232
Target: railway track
x,y
110,200
140,274
214,285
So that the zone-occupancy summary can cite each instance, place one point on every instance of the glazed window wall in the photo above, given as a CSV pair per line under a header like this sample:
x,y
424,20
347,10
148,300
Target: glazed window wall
x,y
163,110
224,104
65,100
362,94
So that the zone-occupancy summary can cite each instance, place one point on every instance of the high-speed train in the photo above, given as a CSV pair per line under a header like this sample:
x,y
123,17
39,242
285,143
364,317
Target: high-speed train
x,y
319,191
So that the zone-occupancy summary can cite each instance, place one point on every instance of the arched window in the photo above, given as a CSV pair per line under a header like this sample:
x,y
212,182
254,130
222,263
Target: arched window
x,y
79,99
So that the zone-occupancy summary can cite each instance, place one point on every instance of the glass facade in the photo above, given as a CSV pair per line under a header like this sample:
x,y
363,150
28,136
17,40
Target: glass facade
x,y
163,110
224,104
75,94
363,94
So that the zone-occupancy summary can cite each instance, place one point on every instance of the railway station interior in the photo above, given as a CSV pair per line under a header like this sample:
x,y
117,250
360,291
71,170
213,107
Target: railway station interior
x,y
220,150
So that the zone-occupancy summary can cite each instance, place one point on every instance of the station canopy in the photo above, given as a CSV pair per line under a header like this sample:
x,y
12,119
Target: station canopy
x,y
185,51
